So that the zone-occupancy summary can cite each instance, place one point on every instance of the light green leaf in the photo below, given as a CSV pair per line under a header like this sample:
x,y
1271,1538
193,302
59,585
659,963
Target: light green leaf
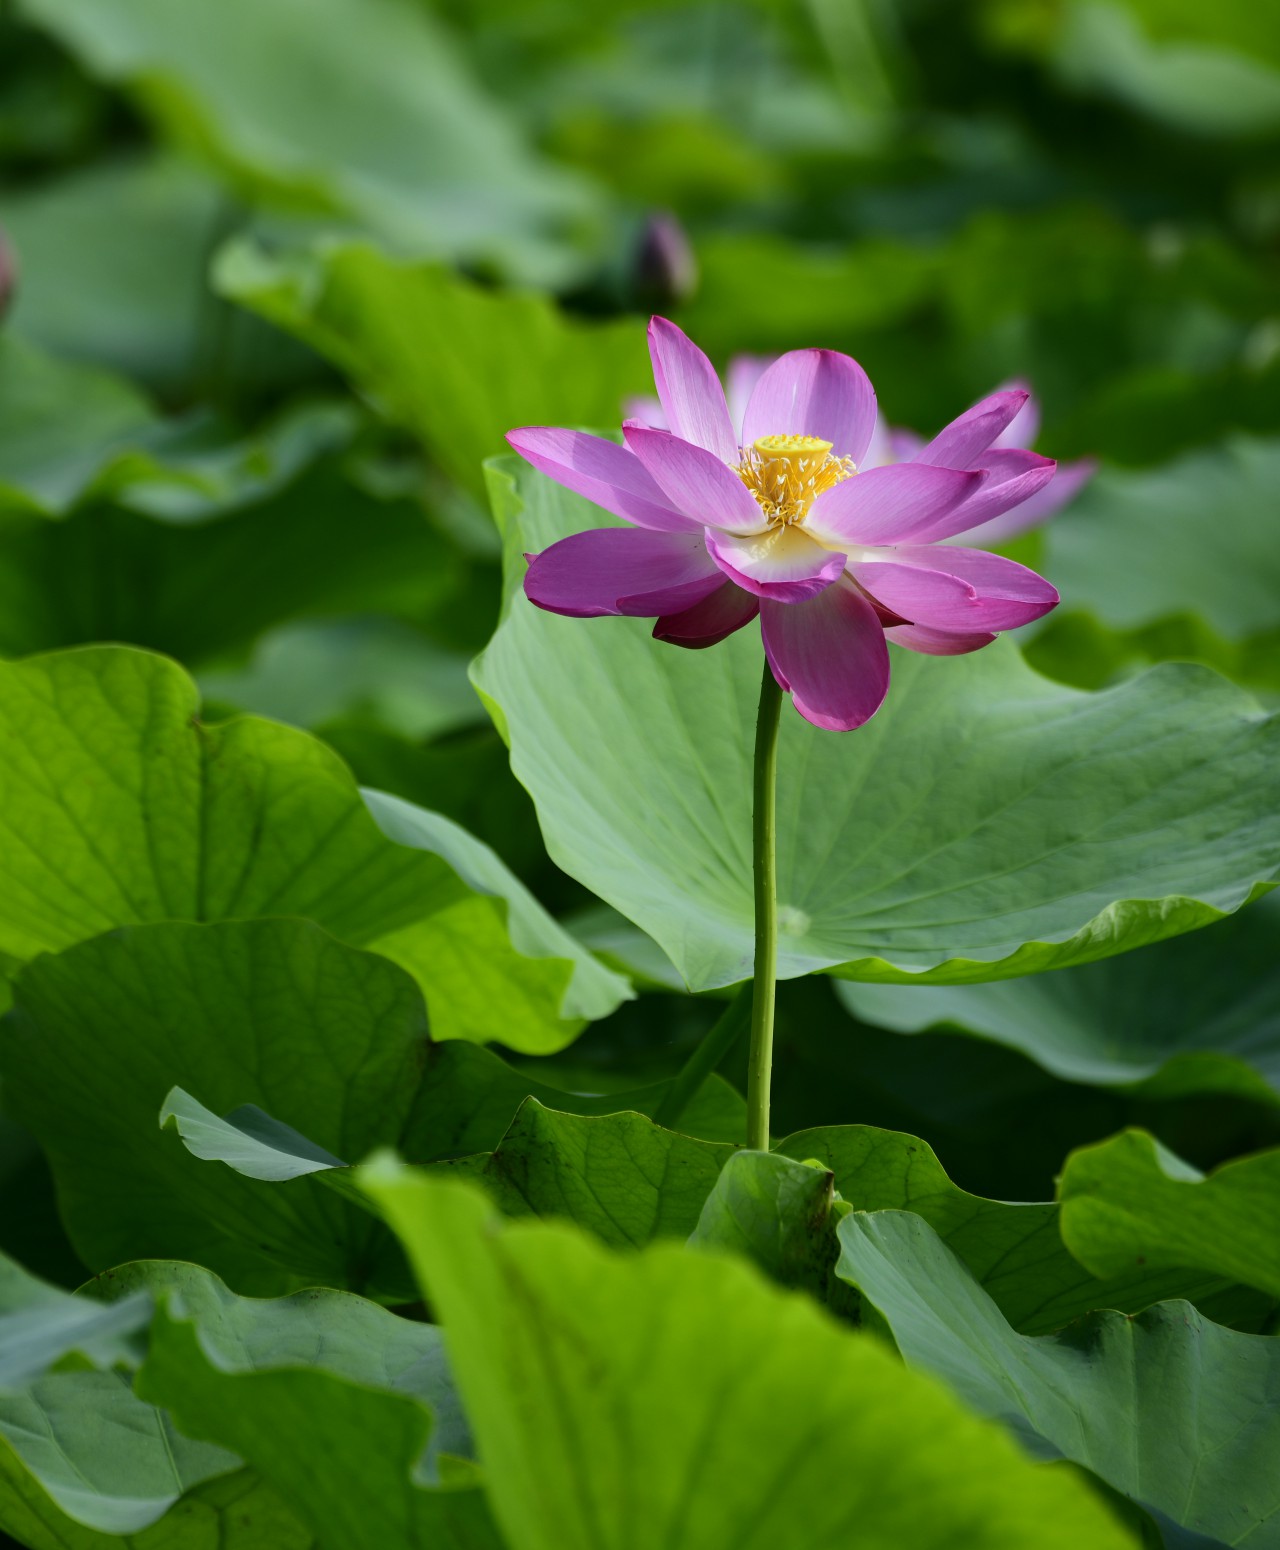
x,y
1015,1251
676,1398
248,1140
985,824
119,808
1128,1201
458,363
1201,1014
40,1324
360,110
343,1408
1172,1411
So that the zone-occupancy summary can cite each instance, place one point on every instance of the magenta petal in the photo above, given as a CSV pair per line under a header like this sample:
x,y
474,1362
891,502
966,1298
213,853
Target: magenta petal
x,y
601,470
885,505
1011,478
645,409
695,481
691,395
830,653
782,564
936,643
621,570
814,393
1023,429
710,621
956,589
964,441
1060,491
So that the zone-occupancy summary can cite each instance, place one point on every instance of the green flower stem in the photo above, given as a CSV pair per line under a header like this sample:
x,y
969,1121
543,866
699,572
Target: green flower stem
x,y
764,855
719,1039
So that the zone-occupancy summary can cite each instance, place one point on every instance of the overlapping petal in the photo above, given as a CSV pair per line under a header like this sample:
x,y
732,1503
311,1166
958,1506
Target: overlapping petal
x,y
1023,429
604,472
783,563
966,590
1060,491
814,393
710,621
695,481
689,390
889,504
1011,477
830,652
740,382
622,570
937,643
962,443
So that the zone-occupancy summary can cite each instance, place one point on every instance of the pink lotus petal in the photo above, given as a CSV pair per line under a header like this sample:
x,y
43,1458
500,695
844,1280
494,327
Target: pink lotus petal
x,y
814,393
830,653
782,564
710,621
1023,429
692,398
936,643
904,446
1060,491
1012,478
967,590
604,472
880,449
740,381
962,443
621,570
885,505
695,481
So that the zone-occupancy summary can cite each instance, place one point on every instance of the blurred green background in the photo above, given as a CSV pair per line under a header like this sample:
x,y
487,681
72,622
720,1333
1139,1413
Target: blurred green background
x,y
279,274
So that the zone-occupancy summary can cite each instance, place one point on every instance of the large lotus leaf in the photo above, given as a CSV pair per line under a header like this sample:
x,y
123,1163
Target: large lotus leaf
x,y
235,1511
1015,1251
40,1324
1196,1015
119,807
1129,1201
618,1175
346,1410
456,362
677,1398
1171,1410
985,824
362,111
316,1052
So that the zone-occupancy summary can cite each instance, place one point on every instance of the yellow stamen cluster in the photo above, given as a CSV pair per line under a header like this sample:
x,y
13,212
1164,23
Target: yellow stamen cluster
x,y
786,474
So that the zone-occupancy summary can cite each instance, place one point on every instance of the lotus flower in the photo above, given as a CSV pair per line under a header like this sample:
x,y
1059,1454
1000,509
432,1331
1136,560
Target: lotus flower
x,y
773,516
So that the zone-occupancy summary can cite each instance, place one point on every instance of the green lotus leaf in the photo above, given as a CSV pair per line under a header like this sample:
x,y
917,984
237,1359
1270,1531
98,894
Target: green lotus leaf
x,y
1129,1201
1197,1015
1171,1410
120,807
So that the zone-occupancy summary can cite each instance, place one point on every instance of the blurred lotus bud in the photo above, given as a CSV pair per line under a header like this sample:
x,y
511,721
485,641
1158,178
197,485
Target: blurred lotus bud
x,y
665,272
8,274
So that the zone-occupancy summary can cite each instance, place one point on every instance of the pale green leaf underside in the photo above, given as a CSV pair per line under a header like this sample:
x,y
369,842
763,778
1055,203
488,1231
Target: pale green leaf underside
x,y
986,823
1175,1412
